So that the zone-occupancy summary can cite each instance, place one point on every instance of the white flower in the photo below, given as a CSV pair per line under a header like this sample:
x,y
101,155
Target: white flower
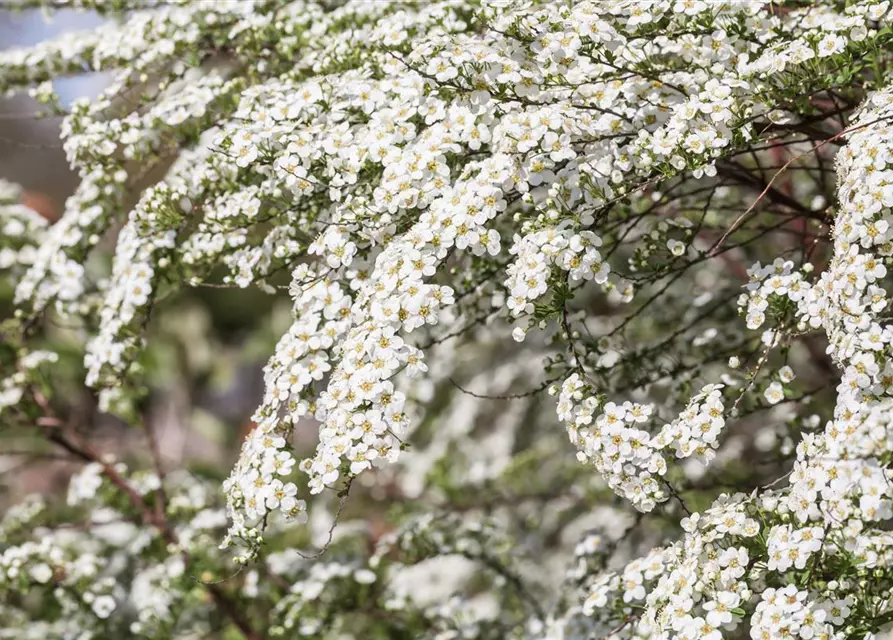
x,y
41,573
676,248
774,393
103,606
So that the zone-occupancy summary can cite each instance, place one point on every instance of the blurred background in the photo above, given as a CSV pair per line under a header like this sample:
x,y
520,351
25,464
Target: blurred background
x,y
30,152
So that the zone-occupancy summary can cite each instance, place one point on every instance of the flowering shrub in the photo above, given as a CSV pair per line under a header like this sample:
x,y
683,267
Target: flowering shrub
x,y
665,221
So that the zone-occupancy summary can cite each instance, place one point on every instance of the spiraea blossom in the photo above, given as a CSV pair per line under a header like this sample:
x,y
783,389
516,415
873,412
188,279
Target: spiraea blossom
x,y
588,325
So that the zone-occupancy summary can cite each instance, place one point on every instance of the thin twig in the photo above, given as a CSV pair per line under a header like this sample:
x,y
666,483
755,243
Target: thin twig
x,y
510,396
735,225
344,493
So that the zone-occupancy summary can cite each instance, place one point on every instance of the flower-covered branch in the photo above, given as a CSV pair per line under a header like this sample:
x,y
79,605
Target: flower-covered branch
x,y
673,216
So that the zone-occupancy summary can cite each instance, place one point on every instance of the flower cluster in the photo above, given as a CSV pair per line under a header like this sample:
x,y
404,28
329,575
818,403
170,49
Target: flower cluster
x,y
787,547
22,229
788,613
575,254
628,456
26,372
80,569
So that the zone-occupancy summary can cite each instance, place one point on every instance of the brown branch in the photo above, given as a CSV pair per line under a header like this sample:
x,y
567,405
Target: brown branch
x,y
511,396
67,438
160,496
735,225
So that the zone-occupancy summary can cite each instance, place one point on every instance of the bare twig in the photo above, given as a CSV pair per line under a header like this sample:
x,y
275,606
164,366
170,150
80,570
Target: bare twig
x,y
510,396
735,225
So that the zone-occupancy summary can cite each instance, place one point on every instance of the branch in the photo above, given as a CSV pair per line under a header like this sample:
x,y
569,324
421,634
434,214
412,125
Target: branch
x,y
75,445
511,396
815,148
